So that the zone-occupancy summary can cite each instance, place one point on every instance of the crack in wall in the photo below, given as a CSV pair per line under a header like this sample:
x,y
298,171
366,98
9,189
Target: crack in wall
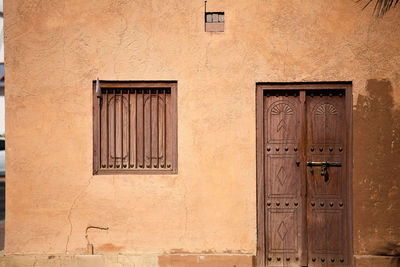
x,y
70,212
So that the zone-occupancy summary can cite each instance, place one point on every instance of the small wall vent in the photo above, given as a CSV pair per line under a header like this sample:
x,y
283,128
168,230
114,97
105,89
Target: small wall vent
x,y
214,21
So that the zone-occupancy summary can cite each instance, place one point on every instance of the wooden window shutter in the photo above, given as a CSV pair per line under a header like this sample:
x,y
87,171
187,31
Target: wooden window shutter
x,y
134,127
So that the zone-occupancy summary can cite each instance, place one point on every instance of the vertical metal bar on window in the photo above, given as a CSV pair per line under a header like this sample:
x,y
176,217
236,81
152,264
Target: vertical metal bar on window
x,y
143,130
136,129
150,155
158,136
129,128
107,133
100,99
122,127
165,128
115,129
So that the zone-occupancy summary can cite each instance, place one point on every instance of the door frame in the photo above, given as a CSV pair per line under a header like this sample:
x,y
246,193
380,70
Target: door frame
x,y
308,86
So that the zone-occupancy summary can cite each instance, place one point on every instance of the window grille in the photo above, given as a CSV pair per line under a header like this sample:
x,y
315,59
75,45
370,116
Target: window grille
x,y
135,127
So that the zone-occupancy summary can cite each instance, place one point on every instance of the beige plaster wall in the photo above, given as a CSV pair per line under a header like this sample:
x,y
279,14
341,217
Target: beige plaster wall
x,y
53,51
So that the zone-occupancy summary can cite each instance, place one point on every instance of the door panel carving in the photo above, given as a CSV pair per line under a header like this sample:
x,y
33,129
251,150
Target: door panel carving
x,y
283,180
282,122
325,123
282,227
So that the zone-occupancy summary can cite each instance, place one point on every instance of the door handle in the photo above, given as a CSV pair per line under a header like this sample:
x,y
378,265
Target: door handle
x,y
324,167
324,163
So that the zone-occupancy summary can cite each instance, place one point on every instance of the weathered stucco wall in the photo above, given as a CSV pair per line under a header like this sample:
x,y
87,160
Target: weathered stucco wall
x,y
54,49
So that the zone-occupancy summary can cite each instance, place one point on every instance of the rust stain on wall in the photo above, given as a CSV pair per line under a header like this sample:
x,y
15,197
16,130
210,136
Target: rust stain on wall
x,y
376,171
205,261
109,247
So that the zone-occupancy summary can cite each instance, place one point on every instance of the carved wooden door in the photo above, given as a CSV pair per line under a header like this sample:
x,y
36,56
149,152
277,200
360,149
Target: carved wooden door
x,y
284,178
326,179
305,186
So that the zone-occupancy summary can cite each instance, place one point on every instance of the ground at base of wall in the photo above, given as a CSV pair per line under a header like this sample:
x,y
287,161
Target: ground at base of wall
x,y
123,260
153,260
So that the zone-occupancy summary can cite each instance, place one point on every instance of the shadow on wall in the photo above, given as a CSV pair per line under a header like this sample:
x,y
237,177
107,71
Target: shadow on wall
x,y
391,249
376,172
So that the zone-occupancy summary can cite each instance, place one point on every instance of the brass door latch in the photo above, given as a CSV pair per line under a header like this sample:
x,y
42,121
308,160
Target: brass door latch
x,y
324,167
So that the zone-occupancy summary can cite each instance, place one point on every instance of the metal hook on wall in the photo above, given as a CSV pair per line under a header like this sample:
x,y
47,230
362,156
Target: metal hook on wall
x,y
98,89
205,14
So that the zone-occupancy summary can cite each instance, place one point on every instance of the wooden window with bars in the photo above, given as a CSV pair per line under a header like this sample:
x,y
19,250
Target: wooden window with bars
x,y
134,127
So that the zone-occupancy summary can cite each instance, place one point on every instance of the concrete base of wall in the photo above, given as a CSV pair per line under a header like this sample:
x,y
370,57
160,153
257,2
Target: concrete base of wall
x,y
169,260
122,260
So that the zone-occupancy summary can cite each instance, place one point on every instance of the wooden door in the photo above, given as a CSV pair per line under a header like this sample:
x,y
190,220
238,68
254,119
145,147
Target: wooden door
x,y
304,181
283,179
326,184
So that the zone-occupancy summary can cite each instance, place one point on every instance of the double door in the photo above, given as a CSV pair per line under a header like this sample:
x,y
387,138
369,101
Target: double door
x,y
304,204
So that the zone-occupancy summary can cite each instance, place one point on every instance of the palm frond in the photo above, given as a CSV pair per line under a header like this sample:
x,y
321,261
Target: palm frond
x,y
381,6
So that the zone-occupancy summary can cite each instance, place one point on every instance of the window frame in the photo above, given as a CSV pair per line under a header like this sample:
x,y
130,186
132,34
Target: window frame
x,y
107,84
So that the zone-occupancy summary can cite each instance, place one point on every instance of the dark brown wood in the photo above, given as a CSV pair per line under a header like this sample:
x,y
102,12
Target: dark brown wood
x,y
283,179
96,134
107,133
150,131
121,104
100,122
136,130
115,129
143,132
129,128
114,115
139,84
327,195
158,134
173,128
349,161
325,222
304,86
260,177
165,129
303,167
